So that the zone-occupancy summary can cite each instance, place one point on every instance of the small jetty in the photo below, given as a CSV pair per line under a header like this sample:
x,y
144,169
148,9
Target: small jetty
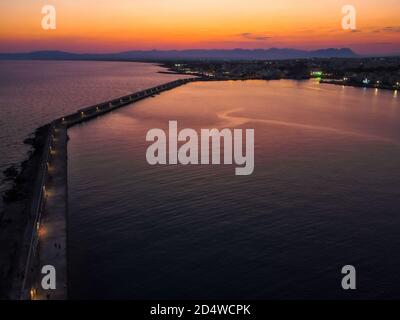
x,y
47,230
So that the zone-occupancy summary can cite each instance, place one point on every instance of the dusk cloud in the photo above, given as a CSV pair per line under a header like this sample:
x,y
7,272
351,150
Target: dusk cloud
x,y
388,29
252,36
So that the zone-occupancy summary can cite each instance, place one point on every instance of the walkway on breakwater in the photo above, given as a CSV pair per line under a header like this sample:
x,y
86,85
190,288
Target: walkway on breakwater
x,y
49,208
52,248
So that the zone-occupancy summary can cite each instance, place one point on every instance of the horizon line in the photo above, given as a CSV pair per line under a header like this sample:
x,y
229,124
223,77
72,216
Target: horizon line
x,y
357,55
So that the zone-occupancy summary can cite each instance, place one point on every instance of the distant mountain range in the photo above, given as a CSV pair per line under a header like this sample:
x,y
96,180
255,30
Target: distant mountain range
x,y
157,55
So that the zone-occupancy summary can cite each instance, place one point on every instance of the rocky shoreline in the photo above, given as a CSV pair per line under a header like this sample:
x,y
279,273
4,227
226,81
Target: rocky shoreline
x,y
16,215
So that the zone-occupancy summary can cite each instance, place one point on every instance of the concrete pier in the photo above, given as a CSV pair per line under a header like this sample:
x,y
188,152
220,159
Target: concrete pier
x,y
53,226
48,234
88,113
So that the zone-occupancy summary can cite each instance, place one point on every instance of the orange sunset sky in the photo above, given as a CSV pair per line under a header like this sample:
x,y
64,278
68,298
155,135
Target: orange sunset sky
x,y
121,25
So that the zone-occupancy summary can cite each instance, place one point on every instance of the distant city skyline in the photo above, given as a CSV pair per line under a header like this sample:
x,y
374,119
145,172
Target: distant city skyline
x,y
123,25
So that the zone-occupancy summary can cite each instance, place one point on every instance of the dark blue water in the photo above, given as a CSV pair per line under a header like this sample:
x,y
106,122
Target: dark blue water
x,y
325,193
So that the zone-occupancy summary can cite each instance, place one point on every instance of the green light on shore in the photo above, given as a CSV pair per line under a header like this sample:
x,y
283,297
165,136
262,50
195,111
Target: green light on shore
x,y
317,74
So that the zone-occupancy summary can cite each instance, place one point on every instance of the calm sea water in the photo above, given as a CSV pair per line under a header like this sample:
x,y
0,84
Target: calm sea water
x,y
33,93
325,193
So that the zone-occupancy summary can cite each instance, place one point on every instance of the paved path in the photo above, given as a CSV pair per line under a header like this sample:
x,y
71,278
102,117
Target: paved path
x,y
53,227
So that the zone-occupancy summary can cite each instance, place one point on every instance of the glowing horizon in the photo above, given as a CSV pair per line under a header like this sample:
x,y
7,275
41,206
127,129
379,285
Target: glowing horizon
x,y
122,25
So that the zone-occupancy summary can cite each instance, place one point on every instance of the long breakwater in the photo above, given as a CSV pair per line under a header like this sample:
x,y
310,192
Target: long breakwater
x,y
46,243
